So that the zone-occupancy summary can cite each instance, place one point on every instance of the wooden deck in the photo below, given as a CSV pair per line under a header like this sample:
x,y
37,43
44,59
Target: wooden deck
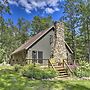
x,y
42,62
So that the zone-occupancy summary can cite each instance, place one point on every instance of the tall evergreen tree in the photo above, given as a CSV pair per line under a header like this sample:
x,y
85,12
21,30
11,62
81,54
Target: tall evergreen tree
x,y
84,9
23,29
77,18
71,22
38,24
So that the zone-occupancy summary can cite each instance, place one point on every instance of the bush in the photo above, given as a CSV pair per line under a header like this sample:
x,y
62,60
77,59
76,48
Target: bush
x,y
38,73
49,73
17,68
83,70
6,71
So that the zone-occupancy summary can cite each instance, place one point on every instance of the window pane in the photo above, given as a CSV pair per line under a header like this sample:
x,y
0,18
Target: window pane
x,y
40,57
34,56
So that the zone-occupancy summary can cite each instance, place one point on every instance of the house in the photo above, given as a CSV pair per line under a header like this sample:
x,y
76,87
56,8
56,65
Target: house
x,y
47,44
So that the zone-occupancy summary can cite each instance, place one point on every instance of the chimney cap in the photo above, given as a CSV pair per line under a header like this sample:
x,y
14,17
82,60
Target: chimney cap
x,y
58,22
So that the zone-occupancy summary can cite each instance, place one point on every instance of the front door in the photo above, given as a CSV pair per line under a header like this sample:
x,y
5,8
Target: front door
x,y
40,57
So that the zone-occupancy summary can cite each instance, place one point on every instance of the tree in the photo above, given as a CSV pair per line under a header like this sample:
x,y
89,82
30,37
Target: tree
x,y
38,24
71,19
23,29
84,9
77,21
4,8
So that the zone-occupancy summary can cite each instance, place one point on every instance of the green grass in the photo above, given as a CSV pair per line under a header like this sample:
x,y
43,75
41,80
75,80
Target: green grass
x,y
10,80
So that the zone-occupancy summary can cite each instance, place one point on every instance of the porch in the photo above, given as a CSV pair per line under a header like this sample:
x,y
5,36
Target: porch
x,y
64,69
46,62
41,62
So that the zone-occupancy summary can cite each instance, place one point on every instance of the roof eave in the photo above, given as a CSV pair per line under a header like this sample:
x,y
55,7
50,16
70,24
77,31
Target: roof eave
x,y
39,37
68,47
13,53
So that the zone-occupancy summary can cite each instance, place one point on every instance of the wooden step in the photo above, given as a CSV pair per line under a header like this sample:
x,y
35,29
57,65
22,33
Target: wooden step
x,y
62,76
58,66
60,69
54,64
63,73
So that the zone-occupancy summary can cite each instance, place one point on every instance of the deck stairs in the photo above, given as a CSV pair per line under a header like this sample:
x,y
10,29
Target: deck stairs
x,y
63,69
62,72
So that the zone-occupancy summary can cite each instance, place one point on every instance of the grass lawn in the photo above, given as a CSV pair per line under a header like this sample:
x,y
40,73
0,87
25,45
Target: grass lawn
x,y
10,80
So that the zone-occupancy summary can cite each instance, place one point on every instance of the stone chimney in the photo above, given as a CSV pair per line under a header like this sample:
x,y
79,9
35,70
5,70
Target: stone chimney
x,y
59,52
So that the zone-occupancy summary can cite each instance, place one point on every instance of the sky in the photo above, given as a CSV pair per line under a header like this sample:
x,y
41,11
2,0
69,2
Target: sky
x,y
30,8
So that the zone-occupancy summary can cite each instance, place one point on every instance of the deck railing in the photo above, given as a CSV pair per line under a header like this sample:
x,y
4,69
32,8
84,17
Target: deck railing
x,y
45,62
51,65
69,70
42,62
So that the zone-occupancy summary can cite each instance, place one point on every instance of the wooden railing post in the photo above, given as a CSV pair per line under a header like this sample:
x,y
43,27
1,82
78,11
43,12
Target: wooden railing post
x,y
63,63
68,68
48,63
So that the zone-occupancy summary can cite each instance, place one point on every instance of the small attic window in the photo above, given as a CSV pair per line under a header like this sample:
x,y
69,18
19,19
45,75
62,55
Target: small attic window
x,y
51,39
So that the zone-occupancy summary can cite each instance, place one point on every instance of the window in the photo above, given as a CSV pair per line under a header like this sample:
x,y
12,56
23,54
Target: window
x,y
40,57
34,56
51,39
37,56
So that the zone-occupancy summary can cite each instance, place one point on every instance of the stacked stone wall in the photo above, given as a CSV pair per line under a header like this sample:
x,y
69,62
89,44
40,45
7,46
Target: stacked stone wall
x,y
59,43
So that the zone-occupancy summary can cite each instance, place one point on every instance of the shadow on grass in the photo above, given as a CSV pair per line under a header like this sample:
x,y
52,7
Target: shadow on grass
x,y
76,87
63,85
20,84
50,85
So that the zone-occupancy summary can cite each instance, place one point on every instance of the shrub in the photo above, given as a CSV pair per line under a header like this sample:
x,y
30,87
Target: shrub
x,y
49,73
6,71
83,70
38,73
17,68
5,67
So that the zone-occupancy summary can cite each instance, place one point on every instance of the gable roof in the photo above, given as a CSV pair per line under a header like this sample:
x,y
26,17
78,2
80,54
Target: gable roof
x,y
29,43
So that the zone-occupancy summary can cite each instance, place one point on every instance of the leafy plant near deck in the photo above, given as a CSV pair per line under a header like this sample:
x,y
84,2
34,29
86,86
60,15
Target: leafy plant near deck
x,y
38,73
83,70
17,68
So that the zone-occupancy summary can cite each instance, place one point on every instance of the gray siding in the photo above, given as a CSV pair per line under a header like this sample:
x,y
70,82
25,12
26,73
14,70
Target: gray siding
x,y
42,45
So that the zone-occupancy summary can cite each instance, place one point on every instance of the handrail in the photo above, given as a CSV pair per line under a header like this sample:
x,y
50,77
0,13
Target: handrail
x,y
51,64
67,66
